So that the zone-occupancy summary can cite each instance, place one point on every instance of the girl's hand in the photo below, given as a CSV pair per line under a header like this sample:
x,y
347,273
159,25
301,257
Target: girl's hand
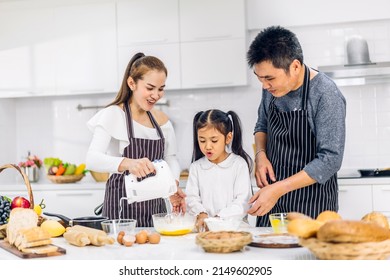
x,y
139,167
200,225
178,201
263,168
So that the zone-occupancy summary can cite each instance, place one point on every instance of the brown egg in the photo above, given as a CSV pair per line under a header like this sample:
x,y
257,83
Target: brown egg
x,y
154,238
141,237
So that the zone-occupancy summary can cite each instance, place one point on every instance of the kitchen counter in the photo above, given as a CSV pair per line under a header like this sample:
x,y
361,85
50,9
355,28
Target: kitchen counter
x,y
171,248
364,181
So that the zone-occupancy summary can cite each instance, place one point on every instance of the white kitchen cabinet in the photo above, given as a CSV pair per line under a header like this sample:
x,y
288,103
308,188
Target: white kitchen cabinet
x,y
86,52
222,19
284,12
53,48
381,198
26,51
71,203
147,22
168,53
213,43
150,27
219,63
355,201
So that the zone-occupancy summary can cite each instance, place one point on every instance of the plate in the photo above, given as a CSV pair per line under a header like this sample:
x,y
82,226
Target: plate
x,y
275,240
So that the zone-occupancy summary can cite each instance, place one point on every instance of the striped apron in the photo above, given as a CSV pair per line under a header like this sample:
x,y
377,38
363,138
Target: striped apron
x,y
115,187
291,144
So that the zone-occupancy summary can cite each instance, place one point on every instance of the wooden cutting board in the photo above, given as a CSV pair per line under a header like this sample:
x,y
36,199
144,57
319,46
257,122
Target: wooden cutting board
x,y
12,249
274,240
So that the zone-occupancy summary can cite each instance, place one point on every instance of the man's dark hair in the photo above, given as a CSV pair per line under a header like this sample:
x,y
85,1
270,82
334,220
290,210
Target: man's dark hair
x,y
277,45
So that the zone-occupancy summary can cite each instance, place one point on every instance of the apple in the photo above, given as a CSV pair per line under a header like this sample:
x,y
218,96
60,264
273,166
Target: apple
x,y
20,201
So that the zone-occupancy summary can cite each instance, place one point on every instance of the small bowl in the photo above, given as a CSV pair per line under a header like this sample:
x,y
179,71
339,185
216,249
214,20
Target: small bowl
x,y
173,224
113,227
278,222
223,224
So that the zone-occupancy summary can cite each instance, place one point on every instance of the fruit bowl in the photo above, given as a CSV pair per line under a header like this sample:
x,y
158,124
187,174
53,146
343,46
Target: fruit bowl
x,y
63,179
173,224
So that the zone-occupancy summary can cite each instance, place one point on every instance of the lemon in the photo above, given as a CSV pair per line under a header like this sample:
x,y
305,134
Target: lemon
x,y
54,228
38,209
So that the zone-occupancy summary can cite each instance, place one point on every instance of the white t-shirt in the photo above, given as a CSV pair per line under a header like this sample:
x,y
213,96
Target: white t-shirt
x,y
110,138
222,189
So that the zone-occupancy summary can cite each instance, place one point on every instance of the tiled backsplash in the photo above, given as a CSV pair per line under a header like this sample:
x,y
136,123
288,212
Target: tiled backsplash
x,y
53,126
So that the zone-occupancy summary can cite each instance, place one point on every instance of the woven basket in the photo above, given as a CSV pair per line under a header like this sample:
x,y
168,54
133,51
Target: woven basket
x,y
64,179
27,183
223,241
100,176
347,251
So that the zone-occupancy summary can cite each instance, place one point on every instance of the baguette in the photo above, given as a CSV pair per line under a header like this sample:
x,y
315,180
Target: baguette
x,y
352,231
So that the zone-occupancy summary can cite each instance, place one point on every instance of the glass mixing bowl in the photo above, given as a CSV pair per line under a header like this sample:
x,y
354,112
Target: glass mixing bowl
x,y
173,224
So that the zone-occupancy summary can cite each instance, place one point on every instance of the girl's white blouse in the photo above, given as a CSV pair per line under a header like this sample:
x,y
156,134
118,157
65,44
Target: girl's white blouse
x,y
222,189
110,138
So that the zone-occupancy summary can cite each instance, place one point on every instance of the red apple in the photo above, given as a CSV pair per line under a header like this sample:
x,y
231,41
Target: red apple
x,y
20,201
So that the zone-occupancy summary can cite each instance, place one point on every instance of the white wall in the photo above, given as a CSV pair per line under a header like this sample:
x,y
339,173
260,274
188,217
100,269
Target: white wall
x,y
52,126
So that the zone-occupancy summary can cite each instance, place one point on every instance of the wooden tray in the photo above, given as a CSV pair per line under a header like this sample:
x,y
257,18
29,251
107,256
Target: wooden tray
x,y
275,240
12,249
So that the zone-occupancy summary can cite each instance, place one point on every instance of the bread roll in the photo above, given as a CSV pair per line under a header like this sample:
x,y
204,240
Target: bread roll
x,y
328,215
377,217
304,228
296,215
352,231
20,218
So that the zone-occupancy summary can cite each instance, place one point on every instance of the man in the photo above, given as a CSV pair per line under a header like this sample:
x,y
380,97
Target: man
x,y
299,133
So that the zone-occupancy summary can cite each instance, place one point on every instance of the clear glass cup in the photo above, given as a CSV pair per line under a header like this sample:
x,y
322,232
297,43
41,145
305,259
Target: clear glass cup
x,y
278,222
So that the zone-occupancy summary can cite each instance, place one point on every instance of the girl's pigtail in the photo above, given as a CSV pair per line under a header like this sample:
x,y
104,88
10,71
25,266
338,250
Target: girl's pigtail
x,y
237,147
197,153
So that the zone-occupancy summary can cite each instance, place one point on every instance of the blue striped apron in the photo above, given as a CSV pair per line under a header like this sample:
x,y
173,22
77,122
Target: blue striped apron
x,y
291,144
115,187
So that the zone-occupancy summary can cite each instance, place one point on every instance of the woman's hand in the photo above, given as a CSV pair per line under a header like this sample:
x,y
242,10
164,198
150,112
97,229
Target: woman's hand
x,y
263,168
138,167
178,201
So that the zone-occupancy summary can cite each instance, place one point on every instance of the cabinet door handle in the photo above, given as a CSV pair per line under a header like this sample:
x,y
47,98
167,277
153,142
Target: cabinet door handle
x,y
147,42
75,194
342,190
213,37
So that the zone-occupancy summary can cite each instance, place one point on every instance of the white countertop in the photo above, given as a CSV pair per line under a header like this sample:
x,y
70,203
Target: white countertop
x,y
171,248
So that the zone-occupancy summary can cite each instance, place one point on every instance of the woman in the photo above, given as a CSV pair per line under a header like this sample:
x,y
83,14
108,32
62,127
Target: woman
x,y
129,134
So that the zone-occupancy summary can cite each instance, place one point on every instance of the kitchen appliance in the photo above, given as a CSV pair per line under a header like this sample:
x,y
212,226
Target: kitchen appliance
x,y
359,69
88,221
160,184
375,172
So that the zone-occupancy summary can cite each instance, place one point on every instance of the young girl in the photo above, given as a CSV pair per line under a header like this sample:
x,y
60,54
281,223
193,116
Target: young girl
x,y
219,181
129,134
